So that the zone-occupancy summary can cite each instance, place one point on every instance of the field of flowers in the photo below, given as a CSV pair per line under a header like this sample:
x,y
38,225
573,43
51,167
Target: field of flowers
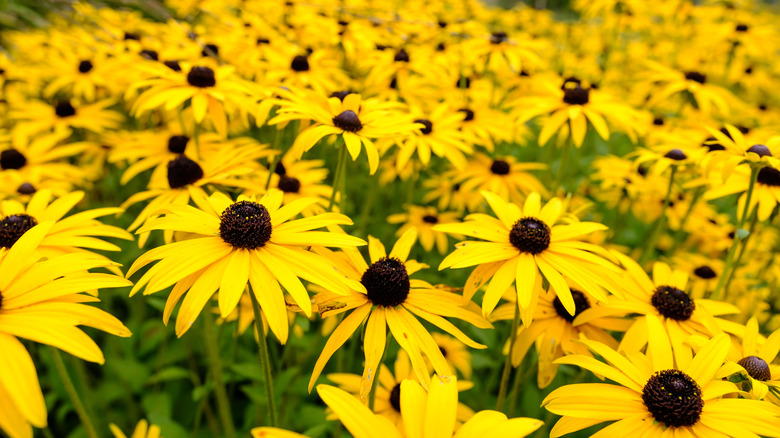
x,y
434,219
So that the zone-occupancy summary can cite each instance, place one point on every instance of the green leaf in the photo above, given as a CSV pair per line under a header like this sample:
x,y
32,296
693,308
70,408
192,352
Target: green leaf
x,y
170,373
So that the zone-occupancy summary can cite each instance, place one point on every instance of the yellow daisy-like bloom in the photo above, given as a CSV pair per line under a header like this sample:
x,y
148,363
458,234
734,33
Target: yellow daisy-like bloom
x,y
42,162
438,133
655,397
42,301
39,117
185,178
142,430
504,176
663,297
554,333
212,92
299,179
388,391
686,85
729,149
79,233
358,121
423,219
571,107
766,190
426,415
455,352
520,244
446,191
255,242
391,299
753,359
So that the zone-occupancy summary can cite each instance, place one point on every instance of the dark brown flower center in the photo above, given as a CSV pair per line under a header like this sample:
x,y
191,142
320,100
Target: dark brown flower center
x,y
173,65
581,304
756,367
386,282
468,114
500,167
300,63
712,145
704,272
13,227
427,126
676,154
768,176
696,77
348,120
530,235
395,397
183,171
289,184
341,94
761,150
673,303
741,27
85,66
576,95
12,159
26,189
151,55
430,219
201,77
245,224
177,144
498,37
401,56
64,109
673,398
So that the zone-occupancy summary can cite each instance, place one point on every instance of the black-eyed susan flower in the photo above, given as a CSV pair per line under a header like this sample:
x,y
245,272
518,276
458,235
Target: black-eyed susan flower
x,y
358,121
298,179
42,161
210,91
43,301
664,297
434,411
505,176
395,301
77,233
554,333
572,107
518,244
438,134
36,117
424,219
257,242
654,395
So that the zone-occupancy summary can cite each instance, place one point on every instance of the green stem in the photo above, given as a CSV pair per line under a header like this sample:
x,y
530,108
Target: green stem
x,y
337,177
735,242
72,393
264,361
277,158
741,252
681,228
564,163
508,362
659,224
215,362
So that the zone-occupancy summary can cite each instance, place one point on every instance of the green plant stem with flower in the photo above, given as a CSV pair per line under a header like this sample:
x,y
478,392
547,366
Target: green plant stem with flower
x,y
502,390
81,411
659,224
265,363
738,235
342,163
215,362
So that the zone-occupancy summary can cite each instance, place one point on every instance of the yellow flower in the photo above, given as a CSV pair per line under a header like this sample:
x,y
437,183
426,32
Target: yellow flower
x,y
423,219
391,299
236,244
142,430
656,397
43,301
519,244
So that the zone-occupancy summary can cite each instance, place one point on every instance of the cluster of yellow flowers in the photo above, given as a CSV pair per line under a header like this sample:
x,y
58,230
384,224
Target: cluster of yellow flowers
x,y
612,183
